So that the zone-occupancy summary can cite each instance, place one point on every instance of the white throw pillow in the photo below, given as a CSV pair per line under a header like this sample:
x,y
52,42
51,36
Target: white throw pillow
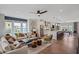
x,y
4,44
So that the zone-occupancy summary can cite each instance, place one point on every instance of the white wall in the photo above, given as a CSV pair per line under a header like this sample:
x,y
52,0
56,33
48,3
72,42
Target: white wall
x,y
34,24
2,24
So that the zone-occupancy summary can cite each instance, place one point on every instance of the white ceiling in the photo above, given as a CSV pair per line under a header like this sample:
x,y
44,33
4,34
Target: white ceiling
x,y
56,12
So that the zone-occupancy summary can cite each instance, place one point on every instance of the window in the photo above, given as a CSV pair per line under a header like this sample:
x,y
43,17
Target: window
x,y
20,27
17,27
14,25
24,27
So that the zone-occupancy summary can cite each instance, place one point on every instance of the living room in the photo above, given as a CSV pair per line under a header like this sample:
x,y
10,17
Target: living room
x,y
31,28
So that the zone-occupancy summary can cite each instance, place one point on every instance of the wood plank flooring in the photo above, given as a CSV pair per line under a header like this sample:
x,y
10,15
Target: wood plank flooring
x,y
67,45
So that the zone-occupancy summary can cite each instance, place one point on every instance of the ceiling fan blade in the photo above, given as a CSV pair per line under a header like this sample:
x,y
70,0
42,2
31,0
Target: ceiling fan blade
x,y
43,12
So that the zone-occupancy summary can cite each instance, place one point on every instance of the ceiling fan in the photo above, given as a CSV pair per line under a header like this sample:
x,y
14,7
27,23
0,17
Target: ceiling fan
x,y
39,12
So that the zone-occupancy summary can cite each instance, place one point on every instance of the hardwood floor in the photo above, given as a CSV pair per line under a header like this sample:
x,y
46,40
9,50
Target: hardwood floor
x,y
67,45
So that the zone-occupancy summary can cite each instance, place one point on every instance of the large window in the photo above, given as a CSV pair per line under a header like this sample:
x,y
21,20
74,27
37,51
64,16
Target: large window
x,y
24,28
16,27
67,26
20,27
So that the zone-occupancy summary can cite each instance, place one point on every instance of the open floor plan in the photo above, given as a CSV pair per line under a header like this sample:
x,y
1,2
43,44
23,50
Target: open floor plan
x,y
39,28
